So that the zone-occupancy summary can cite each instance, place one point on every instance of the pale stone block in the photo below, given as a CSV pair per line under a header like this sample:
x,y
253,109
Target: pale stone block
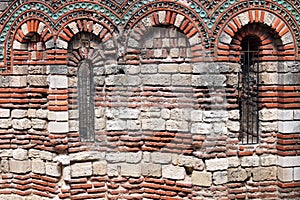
x,y
244,18
44,155
113,170
185,68
233,126
237,175
19,46
31,113
62,159
115,157
201,128
17,166
133,157
81,169
195,40
268,114
296,173
157,79
58,127
24,29
39,124
179,19
87,156
116,125
161,158
233,161
100,124
42,114
20,154
37,80
4,166
97,28
133,125
250,161
225,38
20,70
153,124
4,113
268,126
287,38
202,178
133,43
66,173
131,170
17,113
296,114
132,69
181,114
165,113
285,174
264,174
153,170
289,126
173,172
216,164
41,28
220,177
268,160
188,161
288,161
100,168
61,44
21,124
168,68
50,44
58,82
181,80
38,166
58,115
196,115
129,113
5,123
174,125
149,69
208,80
269,19
53,169
6,152
162,17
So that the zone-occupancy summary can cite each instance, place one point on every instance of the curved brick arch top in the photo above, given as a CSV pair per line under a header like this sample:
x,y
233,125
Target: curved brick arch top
x,y
256,22
164,19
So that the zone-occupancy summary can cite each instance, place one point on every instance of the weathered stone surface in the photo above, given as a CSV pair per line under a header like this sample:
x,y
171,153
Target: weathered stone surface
x,y
58,116
154,170
5,123
133,157
41,114
233,161
37,80
58,127
53,169
220,177
113,170
4,113
268,114
129,113
168,68
17,166
268,160
62,159
153,124
58,82
237,175
66,173
20,154
285,174
173,172
157,79
201,128
216,164
115,157
87,156
39,124
58,69
81,169
44,155
18,113
196,115
202,178
161,158
173,125
21,124
264,173
188,161
289,126
296,173
38,166
116,125
208,80
4,166
288,161
250,161
131,170
100,168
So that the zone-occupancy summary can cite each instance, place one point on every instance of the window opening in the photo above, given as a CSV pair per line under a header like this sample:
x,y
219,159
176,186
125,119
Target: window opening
x,y
248,91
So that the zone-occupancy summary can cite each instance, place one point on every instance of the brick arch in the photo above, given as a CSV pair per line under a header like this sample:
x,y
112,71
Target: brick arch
x,y
233,32
165,18
23,38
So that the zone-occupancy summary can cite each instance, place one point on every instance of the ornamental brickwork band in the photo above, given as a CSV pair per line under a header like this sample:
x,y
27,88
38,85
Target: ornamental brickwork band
x,y
144,99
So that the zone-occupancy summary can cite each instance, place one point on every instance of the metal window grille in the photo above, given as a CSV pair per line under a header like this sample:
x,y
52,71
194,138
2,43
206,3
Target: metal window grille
x,y
86,101
249,96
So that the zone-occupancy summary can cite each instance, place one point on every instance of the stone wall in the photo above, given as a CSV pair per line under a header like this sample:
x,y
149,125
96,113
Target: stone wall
x,y
166,112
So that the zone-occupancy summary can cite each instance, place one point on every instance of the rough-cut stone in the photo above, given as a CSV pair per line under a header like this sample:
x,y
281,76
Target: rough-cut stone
x,y
296,173
42,114
45,155
131,170
153,170
39,124
233,161
173,172
58,127
208,80
21,124
264,174
285,174
250,161
129,113
220,177
237,175
37,80
201,128
87,156
115,125
17,113
115,157
113,170
20,154
188,161
53,169
62,159
4,113
133,157
268,160
153,124
289,126
4,166
17,166
58,82
202,178
216,164
100,168
38,166
66,173
81,169
5,123
161,158
157,79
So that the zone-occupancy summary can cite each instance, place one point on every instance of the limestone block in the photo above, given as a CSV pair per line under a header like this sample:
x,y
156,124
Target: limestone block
x,y
50,44
133,43
268,114
288,161
87,156
4,113
180,114
202,178
53,169
181,79
220,177
17,113
113,170
17,166
185,68
233,161
201,128
37,80
162,17
38,166
285,174
116,125
20,70
268,160
132,69
115,157
62,159
289,126
21,124
161,158
58,127
264,173
131,170
37,69
59,115
133,125
188,161
6,152
178,20
250,161
58,69
234,114
5,123
66,173
237,175
39,124
296,173
196,115
296,114
97,28
133,157
20,154
100,124
42,114
208,80
244,18
287,38
168,68
268,126
153,124
216,164
4,166
58,82
44,155
149,69
31,113
233,126
19,46
269,19
195,40
225,38
129,113
81,169
100,168
157,79
165,113
173,125
146,157
152,170
173,172
61,44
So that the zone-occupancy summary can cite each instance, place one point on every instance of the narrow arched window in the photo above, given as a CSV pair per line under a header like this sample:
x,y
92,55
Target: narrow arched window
x,y
248,90
86,101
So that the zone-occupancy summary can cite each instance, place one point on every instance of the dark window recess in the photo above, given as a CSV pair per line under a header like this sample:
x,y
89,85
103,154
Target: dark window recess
x,y
86,101
249,91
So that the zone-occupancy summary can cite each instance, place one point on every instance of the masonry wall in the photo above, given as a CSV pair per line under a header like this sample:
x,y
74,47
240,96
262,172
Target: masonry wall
x,y
167,119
